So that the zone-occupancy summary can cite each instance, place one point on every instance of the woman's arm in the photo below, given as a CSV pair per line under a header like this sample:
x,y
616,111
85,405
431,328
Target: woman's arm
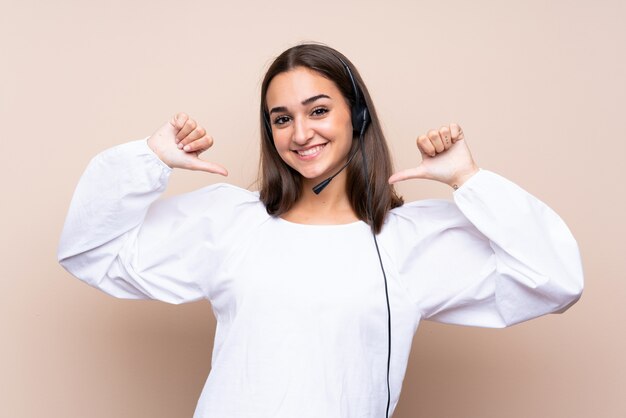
x,y
119,237
497,257
494,257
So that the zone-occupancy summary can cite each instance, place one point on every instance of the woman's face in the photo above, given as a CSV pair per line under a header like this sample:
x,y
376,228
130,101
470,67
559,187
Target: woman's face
x,y
311,123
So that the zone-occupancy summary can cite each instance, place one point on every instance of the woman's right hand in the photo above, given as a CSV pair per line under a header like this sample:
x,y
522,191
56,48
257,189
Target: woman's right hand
x,y
182,131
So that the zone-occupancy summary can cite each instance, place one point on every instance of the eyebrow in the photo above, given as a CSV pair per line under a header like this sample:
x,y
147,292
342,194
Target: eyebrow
x,y
304,103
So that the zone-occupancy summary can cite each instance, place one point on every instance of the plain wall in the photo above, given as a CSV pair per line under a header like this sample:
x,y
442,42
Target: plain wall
x,y
538,87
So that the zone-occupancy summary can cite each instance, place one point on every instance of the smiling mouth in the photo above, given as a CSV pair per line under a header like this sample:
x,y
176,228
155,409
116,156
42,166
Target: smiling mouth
x,y
310,151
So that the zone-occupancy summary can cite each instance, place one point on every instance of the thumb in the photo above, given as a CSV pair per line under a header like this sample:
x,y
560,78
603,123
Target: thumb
x,y
200,165
410,173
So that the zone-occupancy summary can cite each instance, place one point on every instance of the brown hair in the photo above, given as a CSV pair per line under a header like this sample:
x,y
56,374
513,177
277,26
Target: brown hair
x,y
281,185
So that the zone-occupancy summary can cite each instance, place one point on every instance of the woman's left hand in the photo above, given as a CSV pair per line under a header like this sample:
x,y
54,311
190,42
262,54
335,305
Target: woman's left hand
x,y
445,158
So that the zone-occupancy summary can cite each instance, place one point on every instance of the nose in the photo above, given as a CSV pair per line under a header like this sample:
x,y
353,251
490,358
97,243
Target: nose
x,y
302,132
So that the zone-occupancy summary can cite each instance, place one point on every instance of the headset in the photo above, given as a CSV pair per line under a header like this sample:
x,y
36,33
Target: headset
x,y
360,121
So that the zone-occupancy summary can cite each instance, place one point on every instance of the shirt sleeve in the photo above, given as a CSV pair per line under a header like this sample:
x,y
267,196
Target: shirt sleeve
x,y
494,257
121,238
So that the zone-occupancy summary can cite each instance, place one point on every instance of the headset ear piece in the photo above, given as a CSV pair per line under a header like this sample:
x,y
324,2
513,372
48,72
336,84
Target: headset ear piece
x,y
360,115
360,118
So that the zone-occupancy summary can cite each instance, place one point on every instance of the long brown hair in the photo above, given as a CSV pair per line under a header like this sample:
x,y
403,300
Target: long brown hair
x,y
281,185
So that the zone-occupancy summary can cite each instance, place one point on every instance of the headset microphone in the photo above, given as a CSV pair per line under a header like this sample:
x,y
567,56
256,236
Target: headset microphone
x,y
318,188
364,117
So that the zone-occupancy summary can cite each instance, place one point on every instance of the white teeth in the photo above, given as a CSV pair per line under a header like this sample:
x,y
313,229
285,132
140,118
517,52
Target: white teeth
x,y
310,151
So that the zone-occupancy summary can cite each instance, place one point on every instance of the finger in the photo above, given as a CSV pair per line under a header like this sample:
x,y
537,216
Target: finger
x,y
456,132
179,119
199,145
434,137
201,165
444,133
189,126
409,173
425,146
197,133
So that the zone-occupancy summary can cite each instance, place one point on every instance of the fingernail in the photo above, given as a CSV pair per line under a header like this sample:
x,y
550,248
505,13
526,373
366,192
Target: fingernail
x,y
186,148
180,145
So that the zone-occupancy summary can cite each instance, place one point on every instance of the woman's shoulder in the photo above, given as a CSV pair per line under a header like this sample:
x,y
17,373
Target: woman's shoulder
x,y
219,201
425,209
424,215
230,193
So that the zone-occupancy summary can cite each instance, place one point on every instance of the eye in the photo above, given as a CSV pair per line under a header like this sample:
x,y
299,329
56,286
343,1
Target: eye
x,y
319,111
281,120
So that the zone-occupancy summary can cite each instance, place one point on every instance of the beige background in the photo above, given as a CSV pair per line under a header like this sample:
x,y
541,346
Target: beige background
x,y
539,88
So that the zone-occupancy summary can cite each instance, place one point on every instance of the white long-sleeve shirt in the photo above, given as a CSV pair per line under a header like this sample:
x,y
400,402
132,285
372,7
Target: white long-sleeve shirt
x,y
301,309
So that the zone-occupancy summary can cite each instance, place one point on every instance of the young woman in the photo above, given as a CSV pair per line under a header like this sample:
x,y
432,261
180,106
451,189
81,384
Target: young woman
x,y
317,294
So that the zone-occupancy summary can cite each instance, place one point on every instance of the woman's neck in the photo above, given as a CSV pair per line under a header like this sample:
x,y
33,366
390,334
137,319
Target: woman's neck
x,y
331,206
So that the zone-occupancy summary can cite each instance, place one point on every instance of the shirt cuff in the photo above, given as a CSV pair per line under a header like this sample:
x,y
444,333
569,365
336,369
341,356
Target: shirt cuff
x,y
143,143
480,173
